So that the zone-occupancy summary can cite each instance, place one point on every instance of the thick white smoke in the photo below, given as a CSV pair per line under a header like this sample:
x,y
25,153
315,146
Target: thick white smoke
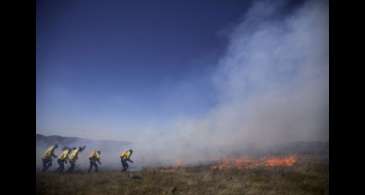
x,y
273,86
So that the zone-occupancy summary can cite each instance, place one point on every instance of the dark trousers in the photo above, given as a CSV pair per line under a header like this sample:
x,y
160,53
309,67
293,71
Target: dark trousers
x,y
46,164
72,166
125,164
93,164
61,166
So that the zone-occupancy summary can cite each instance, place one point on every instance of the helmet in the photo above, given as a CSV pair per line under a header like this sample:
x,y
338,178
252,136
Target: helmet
x,y
98,152
82,148
55,145
130,150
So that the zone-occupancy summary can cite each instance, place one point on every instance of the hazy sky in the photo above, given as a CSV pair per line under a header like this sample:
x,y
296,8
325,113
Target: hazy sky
x,y
116,69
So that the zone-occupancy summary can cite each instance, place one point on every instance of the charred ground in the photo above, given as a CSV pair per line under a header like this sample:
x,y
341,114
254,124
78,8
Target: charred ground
x,y
308,176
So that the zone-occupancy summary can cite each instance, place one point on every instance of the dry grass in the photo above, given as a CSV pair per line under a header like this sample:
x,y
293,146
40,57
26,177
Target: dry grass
x,y
307,177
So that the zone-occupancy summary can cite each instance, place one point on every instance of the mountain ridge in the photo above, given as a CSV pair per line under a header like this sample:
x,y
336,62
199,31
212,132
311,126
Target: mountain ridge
x,y
65,140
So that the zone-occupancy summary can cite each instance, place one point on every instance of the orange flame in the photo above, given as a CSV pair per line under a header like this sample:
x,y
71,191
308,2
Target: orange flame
x,y
245,162
179,163
281,161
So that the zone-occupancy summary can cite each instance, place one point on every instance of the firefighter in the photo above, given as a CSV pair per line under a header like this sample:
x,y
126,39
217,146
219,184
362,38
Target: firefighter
x,y
124,157
73,156
48,157
94,158
62,159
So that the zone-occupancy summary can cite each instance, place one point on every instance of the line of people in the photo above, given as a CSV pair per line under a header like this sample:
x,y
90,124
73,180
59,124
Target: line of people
x,y
70,155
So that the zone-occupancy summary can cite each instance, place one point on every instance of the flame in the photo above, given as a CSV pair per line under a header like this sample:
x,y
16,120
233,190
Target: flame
x,y
281,161
244,162
179,163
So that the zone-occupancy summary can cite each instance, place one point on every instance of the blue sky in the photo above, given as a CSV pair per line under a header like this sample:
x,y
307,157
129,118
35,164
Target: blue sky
x,y
106,68
127,61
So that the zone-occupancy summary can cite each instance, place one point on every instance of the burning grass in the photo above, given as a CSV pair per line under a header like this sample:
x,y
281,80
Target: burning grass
x,y
245,162
281,161
305,176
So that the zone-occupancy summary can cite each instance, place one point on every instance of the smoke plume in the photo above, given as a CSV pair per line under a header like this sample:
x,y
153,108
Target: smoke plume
x,y
273,86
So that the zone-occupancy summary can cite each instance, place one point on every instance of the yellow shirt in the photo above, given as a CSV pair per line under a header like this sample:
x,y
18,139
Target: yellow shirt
x,y
126,154
74,154
48,153
64,154
94,155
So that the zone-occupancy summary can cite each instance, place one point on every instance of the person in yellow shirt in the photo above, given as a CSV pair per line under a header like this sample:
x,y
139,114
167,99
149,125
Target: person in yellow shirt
x,y
124,157
94,158
62,159
48,157
73,156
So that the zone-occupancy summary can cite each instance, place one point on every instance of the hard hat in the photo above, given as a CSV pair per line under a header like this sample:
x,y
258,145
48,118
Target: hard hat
x,y
82,147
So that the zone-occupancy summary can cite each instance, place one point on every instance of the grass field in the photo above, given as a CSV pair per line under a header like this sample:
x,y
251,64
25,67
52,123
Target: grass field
x,y
305,177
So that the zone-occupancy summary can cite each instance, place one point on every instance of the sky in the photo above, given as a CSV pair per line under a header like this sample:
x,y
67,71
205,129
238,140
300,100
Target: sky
x,y
139,70
110,65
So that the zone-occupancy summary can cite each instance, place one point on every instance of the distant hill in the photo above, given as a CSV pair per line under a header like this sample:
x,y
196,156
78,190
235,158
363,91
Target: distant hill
x,y
43,140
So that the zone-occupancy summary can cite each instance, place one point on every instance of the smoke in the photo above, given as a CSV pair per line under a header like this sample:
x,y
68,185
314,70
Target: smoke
x,y
273,89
